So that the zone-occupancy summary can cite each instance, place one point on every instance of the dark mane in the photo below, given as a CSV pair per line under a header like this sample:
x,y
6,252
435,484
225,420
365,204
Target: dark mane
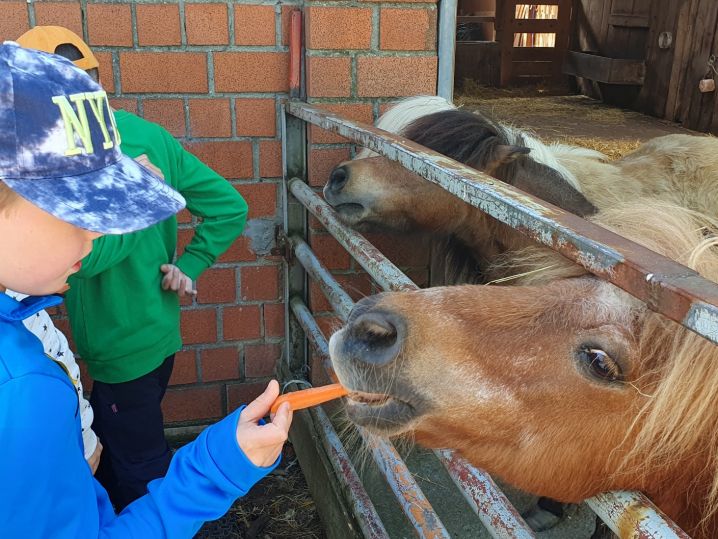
x,y
464,136
482,143
471,139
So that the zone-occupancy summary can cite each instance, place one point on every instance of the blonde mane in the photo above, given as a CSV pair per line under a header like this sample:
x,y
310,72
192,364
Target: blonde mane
x,y
678,424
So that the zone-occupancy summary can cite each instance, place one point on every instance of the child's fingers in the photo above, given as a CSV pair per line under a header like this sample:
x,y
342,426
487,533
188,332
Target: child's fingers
x,y
259,407
176,278
167,279
283,418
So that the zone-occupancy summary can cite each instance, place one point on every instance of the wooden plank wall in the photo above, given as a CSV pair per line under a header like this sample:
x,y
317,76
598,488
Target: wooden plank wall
x,y
673,74
529,64
615,29
631,29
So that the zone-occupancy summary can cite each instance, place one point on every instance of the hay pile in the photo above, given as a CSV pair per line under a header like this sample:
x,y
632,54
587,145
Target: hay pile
x,y
551,108
614,149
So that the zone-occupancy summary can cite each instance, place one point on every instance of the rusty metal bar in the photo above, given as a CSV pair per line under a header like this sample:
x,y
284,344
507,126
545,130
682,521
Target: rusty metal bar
x,y
369,521
386,274
339,300
294,163
412,500
295,54
667,287
491,505
314,334
631,514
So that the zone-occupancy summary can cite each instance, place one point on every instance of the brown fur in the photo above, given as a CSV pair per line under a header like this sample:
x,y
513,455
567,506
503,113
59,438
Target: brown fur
x,y
512,397
675,168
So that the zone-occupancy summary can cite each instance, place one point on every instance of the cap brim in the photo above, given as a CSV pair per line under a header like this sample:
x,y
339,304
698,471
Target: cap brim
x,y
123,197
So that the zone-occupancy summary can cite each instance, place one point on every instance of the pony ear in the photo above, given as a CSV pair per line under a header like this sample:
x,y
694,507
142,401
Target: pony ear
x,y
560,194
505,153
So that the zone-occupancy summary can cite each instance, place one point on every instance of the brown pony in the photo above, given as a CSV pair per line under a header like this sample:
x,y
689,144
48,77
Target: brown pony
x,y
375,193
563,385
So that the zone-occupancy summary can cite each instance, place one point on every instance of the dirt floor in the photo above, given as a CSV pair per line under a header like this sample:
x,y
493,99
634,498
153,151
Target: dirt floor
x,y
279,506
573,119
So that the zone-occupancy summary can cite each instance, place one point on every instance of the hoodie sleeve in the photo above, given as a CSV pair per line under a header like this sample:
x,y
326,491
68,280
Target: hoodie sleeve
x,y
222,210
204,479
48,488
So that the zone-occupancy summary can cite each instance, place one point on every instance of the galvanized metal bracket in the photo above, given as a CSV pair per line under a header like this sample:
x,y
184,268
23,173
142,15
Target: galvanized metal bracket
x,y
282,246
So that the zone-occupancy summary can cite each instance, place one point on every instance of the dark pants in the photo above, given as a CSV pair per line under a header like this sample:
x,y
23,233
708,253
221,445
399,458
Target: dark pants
x,y
128,421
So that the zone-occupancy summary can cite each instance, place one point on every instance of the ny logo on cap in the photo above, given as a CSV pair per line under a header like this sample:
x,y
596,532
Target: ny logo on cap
x,y
77,123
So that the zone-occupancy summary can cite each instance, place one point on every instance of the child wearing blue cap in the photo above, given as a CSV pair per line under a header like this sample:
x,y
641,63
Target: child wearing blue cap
x,y
124,303
64,183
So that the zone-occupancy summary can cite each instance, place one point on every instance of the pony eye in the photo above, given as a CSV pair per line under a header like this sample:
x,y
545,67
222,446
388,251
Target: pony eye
x,y
600,365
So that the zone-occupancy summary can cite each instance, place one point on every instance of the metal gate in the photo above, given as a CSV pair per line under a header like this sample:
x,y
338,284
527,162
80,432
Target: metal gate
x,y
664,285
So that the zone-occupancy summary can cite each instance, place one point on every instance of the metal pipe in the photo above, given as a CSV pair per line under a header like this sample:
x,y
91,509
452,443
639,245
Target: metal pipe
x,y
386,274
498,515
631,514
412,500
667,287
363,508
295,54
446,49
339,300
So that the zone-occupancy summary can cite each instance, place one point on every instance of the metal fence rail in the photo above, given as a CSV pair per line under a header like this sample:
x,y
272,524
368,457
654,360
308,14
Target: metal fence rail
x,y
667,287
650,277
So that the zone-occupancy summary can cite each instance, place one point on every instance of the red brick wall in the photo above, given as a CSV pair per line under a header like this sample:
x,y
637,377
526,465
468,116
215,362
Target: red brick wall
x,y
214,74
359,58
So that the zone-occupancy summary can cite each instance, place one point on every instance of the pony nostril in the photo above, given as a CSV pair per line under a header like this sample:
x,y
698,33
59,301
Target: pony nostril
x,y
375,337
338,178
376,327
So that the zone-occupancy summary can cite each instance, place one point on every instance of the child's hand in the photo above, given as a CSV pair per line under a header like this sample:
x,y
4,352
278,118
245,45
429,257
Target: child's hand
x,y
177,281
263,443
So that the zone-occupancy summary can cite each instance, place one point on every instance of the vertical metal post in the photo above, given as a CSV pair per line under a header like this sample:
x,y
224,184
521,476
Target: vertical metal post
x,y
447,48
294,156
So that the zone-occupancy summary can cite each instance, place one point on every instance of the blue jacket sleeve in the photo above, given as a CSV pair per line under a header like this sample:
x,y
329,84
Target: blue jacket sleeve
x,y
204,479
48,489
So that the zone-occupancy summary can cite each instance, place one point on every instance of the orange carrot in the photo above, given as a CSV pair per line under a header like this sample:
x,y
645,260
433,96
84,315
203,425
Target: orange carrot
x,y
298,400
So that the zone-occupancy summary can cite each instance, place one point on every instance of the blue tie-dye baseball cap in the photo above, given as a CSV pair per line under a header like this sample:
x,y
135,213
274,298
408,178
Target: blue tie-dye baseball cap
x,y
60,148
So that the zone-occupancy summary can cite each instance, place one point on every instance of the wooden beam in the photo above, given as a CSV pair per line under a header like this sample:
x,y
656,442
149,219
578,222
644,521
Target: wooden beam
x,y
538,54
604,69
629,21
532,69
475,18
535,26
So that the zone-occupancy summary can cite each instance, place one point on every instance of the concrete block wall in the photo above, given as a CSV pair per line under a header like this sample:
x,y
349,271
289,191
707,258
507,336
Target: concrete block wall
x,y
214,74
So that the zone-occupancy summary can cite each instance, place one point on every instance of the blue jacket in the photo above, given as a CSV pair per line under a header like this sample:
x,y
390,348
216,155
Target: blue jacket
x,y
47,487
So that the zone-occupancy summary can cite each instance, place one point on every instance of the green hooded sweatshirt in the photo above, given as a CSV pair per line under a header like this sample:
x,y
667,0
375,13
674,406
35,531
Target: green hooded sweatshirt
x,y
123,323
